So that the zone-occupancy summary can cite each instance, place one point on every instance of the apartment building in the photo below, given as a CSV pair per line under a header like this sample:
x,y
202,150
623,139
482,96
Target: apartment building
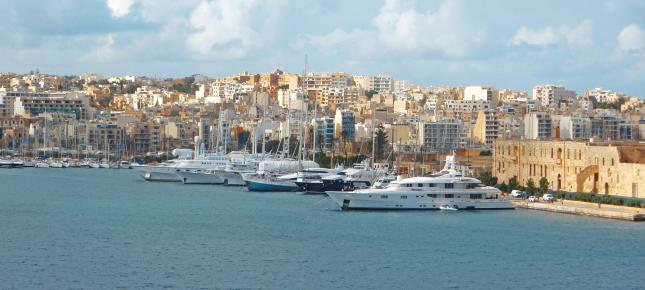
x,y
440,136
537,125
486,127
552,95
344,125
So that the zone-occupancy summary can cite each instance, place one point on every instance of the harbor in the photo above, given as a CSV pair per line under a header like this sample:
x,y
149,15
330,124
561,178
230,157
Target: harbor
x,y
120,231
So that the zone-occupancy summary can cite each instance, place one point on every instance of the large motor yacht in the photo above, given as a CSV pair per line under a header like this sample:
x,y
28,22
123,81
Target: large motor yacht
x,y
447,188
229,174
167,171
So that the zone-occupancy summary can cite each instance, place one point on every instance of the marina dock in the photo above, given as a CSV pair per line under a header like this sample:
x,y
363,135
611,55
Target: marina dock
x,y
585,208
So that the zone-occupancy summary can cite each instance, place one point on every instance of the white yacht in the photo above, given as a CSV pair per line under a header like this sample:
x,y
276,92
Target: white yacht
x,y
167,171
227,172
445,189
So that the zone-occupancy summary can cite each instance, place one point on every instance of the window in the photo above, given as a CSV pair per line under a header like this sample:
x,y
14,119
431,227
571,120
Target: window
x,y
383,195
431,185
404,197
449,185
420,185
476,196
450,195
432,195
471,185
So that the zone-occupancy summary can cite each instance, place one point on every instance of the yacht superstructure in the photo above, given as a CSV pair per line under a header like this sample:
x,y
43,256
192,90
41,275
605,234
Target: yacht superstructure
x,y
446,188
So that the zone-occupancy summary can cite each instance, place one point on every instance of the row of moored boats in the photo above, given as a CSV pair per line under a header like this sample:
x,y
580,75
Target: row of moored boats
x,y
358,187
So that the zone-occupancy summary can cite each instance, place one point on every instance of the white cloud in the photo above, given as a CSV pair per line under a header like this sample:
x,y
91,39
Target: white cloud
x,y
631,39
120,8
579,36
400,28
223,28
544,36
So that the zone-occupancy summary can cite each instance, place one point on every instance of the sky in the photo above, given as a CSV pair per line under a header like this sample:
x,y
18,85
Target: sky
x,y
580,44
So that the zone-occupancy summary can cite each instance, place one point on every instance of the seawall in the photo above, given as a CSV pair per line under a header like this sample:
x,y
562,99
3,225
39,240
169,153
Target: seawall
x,y
585,208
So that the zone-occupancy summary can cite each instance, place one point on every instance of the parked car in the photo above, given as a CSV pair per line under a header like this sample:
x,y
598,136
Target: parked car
x,y
518,193
532,198
548,197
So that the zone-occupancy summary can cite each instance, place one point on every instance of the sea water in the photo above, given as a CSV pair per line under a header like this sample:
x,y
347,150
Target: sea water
x,y
106,228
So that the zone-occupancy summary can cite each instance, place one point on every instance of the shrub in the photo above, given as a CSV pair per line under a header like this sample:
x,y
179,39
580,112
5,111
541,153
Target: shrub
x,y
633,202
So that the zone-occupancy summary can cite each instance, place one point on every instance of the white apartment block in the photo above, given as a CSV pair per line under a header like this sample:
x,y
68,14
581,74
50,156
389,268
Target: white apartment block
x,y
463,106
344,124
537,125
575,127
603,96
552,95
440,136
479,93
378,83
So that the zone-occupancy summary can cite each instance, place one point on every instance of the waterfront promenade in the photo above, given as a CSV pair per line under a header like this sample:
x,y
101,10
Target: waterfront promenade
x,y
585,208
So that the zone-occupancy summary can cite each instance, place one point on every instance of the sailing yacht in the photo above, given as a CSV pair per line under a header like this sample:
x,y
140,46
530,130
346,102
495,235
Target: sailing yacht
x,y
445,189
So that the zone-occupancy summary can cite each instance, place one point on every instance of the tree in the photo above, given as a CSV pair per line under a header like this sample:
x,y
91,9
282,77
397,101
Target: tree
x,y
381,141
503,187
544,185
530,186
513,184
487,178
485,153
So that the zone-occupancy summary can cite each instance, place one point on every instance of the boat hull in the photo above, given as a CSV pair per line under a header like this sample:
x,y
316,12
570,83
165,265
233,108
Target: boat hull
x,y
266,185
411,201
188,177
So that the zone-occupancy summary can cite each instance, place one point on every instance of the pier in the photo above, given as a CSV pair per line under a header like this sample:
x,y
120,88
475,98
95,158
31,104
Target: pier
x,y
585,208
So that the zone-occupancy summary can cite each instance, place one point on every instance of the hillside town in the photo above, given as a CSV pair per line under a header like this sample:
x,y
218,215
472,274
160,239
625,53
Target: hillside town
x,y
578,141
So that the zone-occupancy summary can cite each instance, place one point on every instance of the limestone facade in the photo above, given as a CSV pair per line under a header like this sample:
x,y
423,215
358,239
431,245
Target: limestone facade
x,y
616,168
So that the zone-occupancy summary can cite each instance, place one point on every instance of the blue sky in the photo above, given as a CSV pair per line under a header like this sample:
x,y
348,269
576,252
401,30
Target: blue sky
x,y
509,44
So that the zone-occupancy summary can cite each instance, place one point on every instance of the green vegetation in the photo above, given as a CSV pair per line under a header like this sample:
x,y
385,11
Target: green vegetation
x,y
503,187
544,185
370,93
485,153
615,105
487,178
513,184
185,86
530,187
381,139
599,198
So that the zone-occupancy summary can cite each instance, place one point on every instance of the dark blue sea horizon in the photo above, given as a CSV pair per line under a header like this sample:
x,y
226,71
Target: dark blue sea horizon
x,y
106,228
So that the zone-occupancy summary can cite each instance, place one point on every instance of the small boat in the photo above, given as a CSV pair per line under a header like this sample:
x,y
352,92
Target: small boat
x,y
41,165
450,207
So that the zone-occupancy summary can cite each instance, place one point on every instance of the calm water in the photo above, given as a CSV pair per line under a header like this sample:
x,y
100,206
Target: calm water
x,y
82,228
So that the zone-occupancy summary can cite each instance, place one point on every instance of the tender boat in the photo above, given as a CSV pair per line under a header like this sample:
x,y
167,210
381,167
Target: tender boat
x,y
450,207
448,187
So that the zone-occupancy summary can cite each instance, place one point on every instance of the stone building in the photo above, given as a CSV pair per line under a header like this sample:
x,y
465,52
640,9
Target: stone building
x,y
616,168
